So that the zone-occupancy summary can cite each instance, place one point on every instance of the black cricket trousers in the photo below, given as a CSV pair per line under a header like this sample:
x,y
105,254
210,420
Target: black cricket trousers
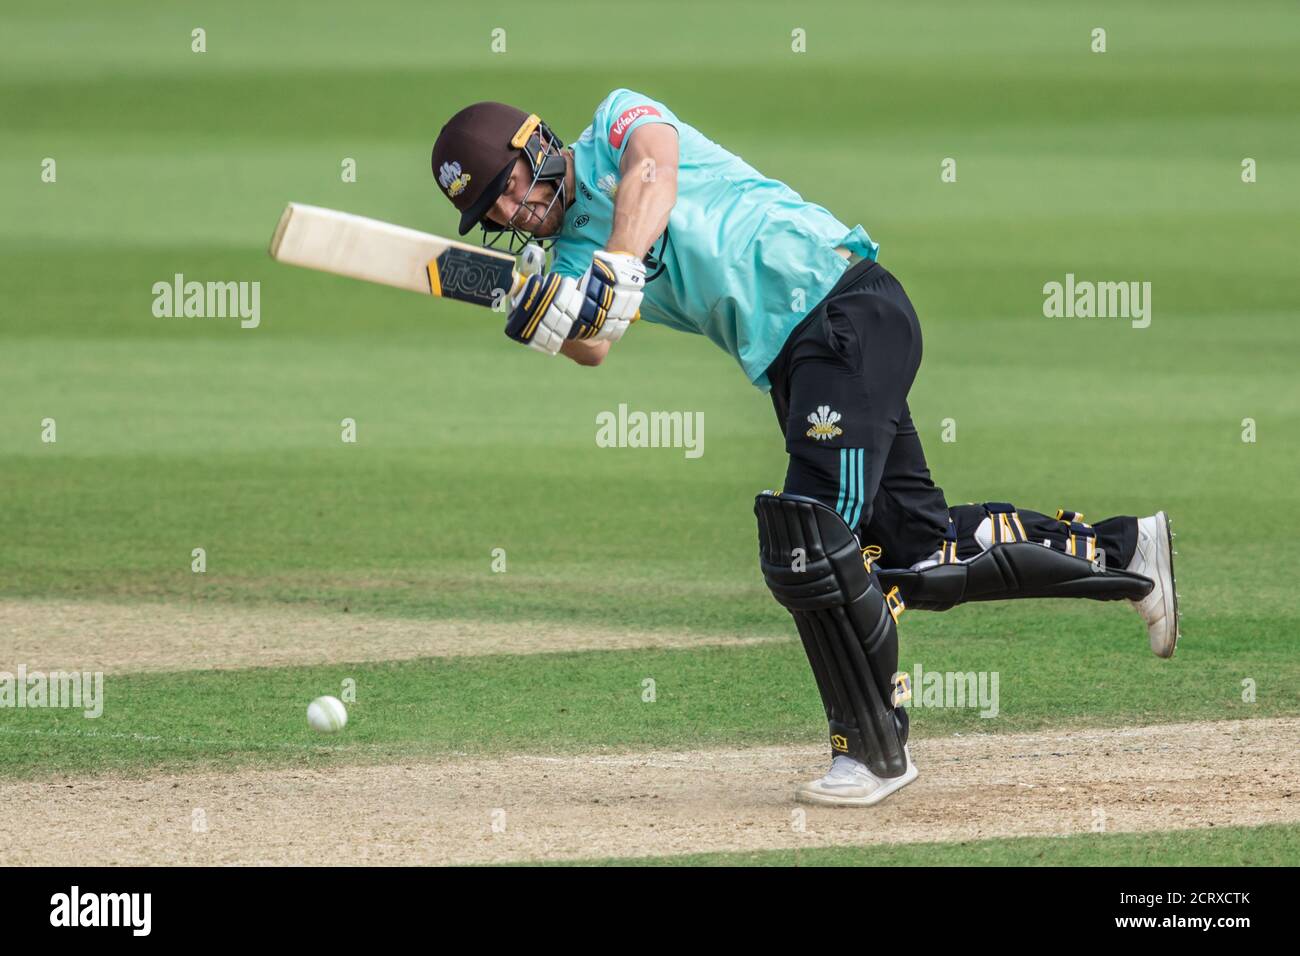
x,y
839,387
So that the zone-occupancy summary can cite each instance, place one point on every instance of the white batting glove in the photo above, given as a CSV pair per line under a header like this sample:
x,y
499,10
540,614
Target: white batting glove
x,y
544,311
612,289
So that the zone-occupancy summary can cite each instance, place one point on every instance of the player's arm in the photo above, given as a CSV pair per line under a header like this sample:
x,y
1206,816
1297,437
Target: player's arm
x,y
580,319
585,351
647,189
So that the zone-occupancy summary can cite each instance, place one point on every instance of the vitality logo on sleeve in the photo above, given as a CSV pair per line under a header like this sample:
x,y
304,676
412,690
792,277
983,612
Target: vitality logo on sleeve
x,y
620,127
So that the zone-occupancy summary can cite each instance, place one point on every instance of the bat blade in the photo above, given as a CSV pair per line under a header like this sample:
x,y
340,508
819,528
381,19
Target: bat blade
x,y
373,251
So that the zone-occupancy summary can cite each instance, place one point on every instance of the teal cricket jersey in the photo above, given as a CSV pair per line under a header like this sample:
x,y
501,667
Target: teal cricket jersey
x,y
744,257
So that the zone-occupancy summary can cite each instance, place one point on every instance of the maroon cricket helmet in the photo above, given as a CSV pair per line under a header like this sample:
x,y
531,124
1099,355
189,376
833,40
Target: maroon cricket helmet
x,y
476,151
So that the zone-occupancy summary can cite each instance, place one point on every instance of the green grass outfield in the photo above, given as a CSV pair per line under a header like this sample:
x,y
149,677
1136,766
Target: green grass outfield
x,y
182,433
1221,846
576,702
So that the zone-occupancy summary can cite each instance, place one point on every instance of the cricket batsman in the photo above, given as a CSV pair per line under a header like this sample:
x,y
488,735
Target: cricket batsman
x,y
644,214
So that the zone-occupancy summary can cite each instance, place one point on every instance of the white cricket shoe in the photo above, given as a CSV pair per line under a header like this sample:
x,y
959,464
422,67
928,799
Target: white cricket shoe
x,y
1154,558
851,784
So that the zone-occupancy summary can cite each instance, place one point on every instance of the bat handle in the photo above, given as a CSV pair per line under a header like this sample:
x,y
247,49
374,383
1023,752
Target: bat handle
x,y
517,283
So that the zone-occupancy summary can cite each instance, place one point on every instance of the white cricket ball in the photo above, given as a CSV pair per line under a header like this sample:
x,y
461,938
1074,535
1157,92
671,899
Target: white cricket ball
x,y
327,715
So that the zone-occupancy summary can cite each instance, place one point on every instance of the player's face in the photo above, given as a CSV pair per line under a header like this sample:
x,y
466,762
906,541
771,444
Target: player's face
x,y
526,210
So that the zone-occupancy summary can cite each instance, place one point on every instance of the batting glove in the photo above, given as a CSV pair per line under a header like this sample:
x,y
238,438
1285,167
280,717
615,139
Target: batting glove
x,y
544,312
612,291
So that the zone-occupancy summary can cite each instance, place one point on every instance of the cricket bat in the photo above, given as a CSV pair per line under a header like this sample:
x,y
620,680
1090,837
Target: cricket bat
x,y
374,251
